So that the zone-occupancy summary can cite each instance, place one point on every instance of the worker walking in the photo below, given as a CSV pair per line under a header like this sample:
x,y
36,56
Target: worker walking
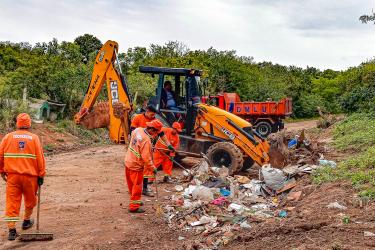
x,y
162,155
22,166
138,158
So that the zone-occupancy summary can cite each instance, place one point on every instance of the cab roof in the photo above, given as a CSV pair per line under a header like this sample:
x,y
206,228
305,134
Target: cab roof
x,y
170,71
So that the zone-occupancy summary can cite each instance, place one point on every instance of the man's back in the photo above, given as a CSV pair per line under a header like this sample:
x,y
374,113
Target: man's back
x,y
21,153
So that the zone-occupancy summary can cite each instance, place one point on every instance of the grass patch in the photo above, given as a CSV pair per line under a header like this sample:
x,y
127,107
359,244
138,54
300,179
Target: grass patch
x,y
87,136
355,133
358,169
48,147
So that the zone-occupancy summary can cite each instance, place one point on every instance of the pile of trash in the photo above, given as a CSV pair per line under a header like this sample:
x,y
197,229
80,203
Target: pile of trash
x,y
288,149
213,205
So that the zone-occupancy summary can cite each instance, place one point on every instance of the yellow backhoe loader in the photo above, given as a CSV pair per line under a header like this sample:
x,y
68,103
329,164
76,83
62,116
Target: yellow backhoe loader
x,y
225,138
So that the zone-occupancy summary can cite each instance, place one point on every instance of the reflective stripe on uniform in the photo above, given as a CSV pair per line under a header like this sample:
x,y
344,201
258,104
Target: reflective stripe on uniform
x,y
163,142
148,176
135,152
12,219
15,155
136,202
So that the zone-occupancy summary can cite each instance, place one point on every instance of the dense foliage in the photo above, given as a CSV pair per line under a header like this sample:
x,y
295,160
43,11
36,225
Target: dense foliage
x,y
61,72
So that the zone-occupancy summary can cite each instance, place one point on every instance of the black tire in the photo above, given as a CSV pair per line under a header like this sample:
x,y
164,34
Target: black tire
x,y
226,154
264,128
248,163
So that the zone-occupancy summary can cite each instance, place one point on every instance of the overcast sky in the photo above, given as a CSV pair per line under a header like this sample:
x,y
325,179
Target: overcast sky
x,y
319,33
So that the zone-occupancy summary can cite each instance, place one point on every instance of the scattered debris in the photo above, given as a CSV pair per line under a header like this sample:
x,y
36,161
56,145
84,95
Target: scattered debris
x,y
273,177
323,162
179,188
368,234
294,196
213,205
283,214
336,205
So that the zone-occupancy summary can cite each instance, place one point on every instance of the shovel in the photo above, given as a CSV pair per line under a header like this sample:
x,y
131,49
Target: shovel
x,y
37,236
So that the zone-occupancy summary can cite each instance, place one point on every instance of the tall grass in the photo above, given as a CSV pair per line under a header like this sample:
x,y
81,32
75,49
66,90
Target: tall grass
x,y
356,136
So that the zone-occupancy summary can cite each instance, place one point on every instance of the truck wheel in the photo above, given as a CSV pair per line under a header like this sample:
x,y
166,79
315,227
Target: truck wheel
x,y
248,163
226,154
264,128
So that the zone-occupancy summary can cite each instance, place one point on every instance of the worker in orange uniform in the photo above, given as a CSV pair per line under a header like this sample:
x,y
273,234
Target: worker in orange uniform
x,y
162,155
138,158
22,166
140,121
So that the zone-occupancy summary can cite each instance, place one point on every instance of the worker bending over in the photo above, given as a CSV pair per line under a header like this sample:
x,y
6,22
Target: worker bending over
x,y
162,155
22,166
138,158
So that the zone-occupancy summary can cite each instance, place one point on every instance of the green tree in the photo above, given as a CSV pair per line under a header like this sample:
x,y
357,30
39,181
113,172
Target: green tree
x,y
88,44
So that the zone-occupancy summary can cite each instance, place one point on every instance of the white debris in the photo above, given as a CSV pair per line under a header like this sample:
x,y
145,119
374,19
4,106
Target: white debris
x,y
202,193
336,205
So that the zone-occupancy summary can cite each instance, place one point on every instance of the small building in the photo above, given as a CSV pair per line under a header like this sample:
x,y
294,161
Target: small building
x,y
46,109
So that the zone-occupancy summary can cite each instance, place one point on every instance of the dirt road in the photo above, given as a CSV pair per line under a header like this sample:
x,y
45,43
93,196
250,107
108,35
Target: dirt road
x,y
84,205
295,126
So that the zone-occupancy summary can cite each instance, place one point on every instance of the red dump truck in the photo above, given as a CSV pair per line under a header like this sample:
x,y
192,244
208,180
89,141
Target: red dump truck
x,y
267,117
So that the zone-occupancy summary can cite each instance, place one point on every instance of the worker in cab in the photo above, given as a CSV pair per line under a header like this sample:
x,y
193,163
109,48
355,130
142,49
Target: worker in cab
x,y
140,120
168,97
162,155
138,159
22,166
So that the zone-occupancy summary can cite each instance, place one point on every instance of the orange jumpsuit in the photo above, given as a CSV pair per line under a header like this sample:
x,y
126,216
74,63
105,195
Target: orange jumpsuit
x,y
22,159
137,159
139,121
162,159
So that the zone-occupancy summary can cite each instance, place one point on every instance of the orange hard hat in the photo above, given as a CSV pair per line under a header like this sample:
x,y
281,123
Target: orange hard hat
x,y
156,124
23,121
177,126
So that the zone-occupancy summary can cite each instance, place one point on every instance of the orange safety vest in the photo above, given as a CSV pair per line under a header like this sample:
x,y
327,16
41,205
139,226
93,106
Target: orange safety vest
x,y
174,140
21,153
139,156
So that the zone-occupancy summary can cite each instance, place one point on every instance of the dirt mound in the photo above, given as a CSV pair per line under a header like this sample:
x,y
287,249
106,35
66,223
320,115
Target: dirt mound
x,y
312,225
98,117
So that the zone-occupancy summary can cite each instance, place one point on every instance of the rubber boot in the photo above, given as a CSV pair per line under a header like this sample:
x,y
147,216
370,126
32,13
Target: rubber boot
x,y
167,179
12,234
137,211
27,224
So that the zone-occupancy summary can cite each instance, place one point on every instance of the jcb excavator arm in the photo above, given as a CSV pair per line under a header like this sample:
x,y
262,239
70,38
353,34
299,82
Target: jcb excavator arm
x,y
119,101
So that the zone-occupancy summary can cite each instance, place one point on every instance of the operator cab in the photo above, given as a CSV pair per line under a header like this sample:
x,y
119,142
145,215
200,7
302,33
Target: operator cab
x,y
186,93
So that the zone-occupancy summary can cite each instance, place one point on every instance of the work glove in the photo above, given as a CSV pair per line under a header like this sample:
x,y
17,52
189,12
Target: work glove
x,y
40,181
4,176
171,148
